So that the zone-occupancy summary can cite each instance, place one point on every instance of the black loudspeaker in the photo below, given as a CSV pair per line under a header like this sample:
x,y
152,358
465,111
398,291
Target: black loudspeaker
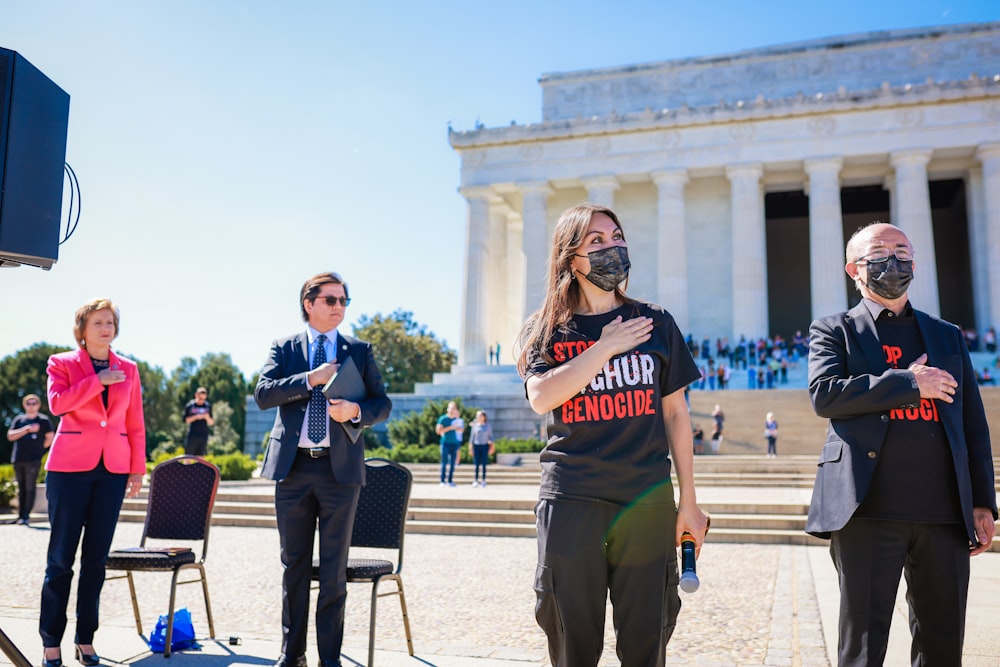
x,y
34,117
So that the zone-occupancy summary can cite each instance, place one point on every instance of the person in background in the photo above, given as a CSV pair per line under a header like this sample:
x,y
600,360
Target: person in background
x,y
450,427
698,434
718,420
771,433
905,482
31,434
480,445
606,516
98,456
198,417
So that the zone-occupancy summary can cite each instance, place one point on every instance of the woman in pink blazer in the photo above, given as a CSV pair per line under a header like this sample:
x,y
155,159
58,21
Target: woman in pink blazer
x,y
97,457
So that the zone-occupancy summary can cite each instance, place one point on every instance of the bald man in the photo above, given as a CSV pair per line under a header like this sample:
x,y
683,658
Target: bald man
x,y
905,482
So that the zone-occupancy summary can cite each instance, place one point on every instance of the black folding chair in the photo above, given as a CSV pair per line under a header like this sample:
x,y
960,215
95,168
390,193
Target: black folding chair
x,y
380,523
181,496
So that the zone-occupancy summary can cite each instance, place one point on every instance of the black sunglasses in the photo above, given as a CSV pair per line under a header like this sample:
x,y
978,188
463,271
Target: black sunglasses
x,y
334,300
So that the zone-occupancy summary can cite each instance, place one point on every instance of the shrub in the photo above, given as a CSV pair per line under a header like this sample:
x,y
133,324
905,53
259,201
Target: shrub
x,y
408,453
518,446
7,487
236,466
417,428
167,449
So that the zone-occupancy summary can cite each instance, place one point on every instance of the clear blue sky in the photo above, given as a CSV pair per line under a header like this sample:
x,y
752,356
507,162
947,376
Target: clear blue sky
x,y
228,150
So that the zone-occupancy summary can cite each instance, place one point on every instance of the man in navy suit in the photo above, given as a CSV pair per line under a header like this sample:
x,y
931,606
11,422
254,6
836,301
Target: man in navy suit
x,y
317,465
905,481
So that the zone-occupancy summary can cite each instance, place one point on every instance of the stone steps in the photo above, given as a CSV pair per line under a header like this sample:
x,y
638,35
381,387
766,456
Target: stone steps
x,y
762,518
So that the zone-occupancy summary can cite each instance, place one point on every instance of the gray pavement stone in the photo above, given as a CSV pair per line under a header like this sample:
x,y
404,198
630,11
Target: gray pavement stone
x,y
471,603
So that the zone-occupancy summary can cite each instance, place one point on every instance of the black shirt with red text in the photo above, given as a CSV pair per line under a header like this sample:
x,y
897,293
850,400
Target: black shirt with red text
x,y
915,476
609,441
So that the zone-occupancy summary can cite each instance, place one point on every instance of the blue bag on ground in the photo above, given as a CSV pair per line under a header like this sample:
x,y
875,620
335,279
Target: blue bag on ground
x,y
182,638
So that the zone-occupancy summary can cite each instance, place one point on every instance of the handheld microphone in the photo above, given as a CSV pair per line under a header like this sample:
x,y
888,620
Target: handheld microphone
x,y
689,577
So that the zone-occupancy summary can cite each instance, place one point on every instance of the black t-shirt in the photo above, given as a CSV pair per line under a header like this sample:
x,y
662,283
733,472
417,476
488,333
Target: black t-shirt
x,y
100,365
609,441
915,478
199,427
31,446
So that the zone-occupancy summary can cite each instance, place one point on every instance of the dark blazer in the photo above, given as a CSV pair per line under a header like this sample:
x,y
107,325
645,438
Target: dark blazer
x,y
282,384
851,383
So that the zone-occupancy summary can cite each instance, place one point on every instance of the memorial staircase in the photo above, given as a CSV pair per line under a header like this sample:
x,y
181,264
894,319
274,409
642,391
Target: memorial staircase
x,y
751,499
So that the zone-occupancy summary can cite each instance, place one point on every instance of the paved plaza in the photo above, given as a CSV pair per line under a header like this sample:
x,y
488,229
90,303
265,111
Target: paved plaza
x,y
471,603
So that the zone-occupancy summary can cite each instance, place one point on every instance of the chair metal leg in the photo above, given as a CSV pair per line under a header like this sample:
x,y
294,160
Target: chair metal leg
x,y
135,601
170,614
371,624
402,606
208,604
406,617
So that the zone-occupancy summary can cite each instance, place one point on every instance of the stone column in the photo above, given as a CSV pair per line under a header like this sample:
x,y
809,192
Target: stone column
x,y
535,240
912,214
975,203
989,156
601,189
671,245
472,345
826,237
749,250
514,285
496,281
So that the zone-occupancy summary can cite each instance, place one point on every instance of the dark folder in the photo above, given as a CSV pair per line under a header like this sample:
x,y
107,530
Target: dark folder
x,y
349,385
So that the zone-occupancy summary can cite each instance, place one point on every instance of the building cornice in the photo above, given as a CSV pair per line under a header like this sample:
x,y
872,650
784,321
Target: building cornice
x,y
975,88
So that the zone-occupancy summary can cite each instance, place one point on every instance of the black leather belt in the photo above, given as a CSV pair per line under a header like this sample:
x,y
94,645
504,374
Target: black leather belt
x,y
314,452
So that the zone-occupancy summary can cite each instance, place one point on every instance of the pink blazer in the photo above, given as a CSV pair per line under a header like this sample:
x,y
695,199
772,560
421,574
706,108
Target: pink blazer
x,y
87,430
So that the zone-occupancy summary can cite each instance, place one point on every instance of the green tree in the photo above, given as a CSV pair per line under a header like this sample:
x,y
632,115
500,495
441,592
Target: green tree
x,y
23,373
158,400
224,382
417,428
223,439
406,351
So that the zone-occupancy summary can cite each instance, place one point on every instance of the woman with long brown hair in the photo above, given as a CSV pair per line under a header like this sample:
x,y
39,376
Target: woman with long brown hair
x,y
609,372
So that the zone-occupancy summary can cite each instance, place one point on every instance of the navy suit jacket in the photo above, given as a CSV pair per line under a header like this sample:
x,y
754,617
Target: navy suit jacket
x,y
851,384
283,384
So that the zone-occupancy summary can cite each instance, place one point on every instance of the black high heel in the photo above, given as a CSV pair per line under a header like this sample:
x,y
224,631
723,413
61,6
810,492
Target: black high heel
x,y
54,662
87,660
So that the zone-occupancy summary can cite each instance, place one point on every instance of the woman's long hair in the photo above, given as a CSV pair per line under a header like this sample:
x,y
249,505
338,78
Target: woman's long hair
x,y
562,291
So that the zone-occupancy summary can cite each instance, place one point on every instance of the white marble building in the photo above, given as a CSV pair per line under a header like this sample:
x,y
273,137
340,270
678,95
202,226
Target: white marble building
x,y
738,178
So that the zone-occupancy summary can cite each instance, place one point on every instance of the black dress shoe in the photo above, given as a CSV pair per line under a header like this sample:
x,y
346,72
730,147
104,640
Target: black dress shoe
x,y
87,660
284,661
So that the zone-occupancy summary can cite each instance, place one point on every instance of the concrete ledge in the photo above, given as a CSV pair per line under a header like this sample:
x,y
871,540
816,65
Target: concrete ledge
x,y
508,459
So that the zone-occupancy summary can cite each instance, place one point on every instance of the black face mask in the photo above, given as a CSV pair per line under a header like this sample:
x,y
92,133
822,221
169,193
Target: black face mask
x,y
608,267
891,280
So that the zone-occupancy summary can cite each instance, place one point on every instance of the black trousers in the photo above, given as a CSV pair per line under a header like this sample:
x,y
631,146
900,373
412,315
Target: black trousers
x,y
309,496
585,550
26,473
87,503
869,555
196,445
